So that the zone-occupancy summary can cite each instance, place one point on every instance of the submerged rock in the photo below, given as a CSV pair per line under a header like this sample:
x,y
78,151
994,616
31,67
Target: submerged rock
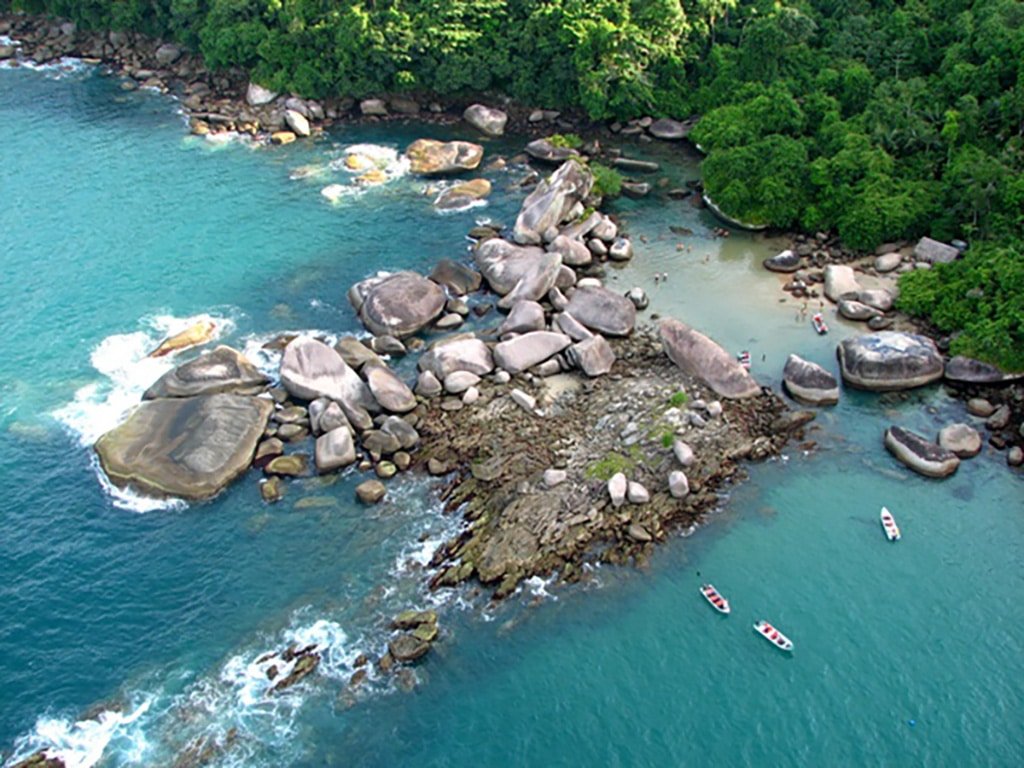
x,y
191,447
961,439
889,360
463,195
697,355
434,158
220,370
920,455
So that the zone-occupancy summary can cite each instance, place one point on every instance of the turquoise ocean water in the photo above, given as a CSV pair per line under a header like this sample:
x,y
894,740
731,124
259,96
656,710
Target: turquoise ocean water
x,y
129,632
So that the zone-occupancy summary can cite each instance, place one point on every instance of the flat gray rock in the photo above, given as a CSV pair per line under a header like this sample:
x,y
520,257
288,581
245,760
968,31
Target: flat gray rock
x,y
933,252
400,304
221,370
809,383
190,447
487,120
667,129
526,351
920,455
889,360
887,262
459,353
697,355
601,310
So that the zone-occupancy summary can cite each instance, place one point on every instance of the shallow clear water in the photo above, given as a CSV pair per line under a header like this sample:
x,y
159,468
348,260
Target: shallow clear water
x,y
125,635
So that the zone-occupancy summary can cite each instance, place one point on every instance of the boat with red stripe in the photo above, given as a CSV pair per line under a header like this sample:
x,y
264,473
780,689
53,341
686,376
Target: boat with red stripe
x,y
714,597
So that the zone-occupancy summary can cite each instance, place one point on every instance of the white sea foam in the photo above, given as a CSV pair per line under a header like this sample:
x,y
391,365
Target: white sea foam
x,y
537,586
64,67
81,744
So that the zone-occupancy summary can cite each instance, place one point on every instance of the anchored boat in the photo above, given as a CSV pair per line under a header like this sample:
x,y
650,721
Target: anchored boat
x,y
714,597
772,635
892,531
819,324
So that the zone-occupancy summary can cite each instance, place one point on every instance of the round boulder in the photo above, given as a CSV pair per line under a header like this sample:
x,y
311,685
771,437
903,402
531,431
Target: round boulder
x,y
961,439
401,304
809,383
889,360
434,158
603,311
787,261
487,120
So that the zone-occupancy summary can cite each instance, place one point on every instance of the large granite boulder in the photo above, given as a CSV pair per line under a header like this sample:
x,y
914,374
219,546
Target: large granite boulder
x,y
311,369
923,457
334,450
550,203
257,96
462,196
786,261
458,353
965,370
516,272
934,252
487,120
603,311
840,281
574,252
889,360
667,129
220,370
190,447
434,158
388,390
697,355
961,439
809,383
546,152
525,316
522,352
852,309
400,304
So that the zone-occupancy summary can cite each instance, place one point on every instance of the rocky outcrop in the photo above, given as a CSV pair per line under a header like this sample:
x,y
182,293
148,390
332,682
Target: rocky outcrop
x,y
458,353
463,195
965,370
311,369
191,447
457,278
487,120
603,311
552,201
546,152
697,355
220,370
787,261
400,304
517,273
923,457
809,383
522,352
889,360
436,158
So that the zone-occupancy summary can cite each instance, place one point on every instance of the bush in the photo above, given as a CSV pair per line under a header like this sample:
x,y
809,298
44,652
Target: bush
x,y
607,181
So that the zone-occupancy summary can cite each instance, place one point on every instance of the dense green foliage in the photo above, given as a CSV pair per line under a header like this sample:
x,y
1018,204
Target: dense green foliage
x,y
875,119
981,296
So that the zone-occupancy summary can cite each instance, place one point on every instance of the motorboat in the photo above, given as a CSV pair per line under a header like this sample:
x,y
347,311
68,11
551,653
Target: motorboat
x,y
819,323
892,531
772,635
714,597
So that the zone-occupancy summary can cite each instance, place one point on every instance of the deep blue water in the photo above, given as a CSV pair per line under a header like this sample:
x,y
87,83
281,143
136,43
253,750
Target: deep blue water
x,y
125,635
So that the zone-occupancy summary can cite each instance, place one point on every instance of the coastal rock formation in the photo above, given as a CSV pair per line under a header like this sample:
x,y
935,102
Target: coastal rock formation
x,y
458,353
593,356
697,355
297,122
457,278
196,334
434,158
961,439
355,353
311,369
546,152
965,370
923,457
574,252
603,311
522,352
400,304
220,370
889,360
463,195
525,316
551,202
852,309
517,272
190,447
334,450
256,95
840,281
787,261
809,383
487,120
667,129
887,262
388,390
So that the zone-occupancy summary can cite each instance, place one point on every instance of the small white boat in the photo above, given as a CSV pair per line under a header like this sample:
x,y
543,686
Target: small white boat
x,y
772,635
892,531
744,359
819,324
714,597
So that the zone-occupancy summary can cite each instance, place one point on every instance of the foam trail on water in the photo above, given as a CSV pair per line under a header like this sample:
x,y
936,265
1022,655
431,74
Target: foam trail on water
x,y
81,744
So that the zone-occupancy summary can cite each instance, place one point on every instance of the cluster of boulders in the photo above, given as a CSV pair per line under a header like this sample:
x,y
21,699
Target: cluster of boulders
x,y
648,128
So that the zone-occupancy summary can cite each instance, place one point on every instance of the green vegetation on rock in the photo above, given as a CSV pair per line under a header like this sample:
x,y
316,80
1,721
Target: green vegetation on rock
x,y
607,181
